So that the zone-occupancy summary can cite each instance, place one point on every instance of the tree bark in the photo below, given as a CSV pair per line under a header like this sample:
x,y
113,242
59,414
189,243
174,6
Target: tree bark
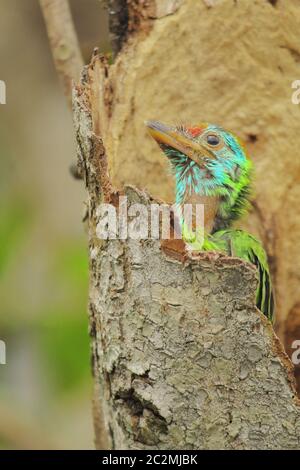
x,y
227,62
182,358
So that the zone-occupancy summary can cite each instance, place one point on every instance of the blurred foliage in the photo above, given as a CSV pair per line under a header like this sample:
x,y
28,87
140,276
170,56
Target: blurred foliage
x,y
63,327
14,222
45,388
64,342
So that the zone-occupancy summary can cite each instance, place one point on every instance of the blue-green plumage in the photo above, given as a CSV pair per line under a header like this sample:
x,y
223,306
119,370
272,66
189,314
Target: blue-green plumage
x,y
211,167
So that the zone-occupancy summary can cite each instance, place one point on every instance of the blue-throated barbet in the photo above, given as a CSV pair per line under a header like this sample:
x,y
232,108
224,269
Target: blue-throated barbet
x,y
211,167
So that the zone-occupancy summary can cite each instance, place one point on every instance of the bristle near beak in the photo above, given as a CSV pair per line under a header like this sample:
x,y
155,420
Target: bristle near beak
x,y
162,133
170,136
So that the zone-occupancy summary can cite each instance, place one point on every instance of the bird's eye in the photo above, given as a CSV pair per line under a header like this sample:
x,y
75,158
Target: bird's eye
x,y
212,139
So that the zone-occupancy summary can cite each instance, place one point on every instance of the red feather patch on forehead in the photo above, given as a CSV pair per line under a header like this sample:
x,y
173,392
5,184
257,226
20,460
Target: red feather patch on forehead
x,y
196,130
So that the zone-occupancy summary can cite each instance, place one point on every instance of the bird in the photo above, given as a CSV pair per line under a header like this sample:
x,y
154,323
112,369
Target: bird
x,y
211,167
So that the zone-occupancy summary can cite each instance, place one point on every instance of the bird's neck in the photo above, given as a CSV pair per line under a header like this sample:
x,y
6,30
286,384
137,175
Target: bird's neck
x,y
210,206
223,203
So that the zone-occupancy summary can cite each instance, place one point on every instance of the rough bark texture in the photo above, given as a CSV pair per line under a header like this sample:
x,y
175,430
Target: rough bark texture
x,y
229,62
188,361
181,355
185,360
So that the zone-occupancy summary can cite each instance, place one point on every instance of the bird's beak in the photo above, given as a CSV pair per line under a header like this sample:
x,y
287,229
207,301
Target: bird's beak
x,y
169,136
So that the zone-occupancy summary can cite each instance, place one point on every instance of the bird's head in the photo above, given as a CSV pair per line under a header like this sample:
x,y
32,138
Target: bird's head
x,y
206,160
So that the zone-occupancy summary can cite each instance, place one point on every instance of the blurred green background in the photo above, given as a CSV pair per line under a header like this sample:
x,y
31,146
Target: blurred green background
x,y
46,385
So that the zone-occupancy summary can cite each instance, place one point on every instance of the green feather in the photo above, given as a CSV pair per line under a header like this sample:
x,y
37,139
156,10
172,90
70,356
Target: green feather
x,y
243,245
221,170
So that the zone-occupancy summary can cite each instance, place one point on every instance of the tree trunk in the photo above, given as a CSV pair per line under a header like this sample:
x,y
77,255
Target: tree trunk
x,y
182,357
